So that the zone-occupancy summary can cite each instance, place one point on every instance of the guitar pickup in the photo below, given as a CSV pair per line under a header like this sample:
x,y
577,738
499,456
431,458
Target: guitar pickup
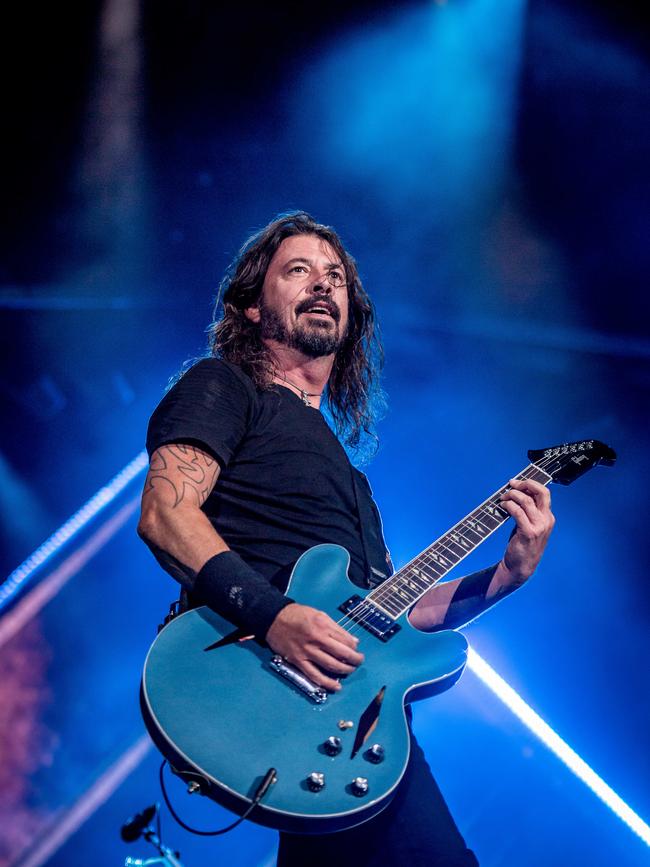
x,y
372,619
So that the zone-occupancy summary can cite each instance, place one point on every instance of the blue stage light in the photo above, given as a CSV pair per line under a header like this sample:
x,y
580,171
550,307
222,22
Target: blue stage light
x,y
556,745
18,578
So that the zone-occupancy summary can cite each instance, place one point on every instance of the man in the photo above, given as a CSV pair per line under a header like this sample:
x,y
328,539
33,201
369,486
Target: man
x,y
246,474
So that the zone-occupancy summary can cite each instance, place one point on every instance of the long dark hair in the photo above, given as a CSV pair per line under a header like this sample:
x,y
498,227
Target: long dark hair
x,y
354,396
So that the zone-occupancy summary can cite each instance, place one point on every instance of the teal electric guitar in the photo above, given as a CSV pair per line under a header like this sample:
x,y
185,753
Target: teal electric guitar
x,y
246,728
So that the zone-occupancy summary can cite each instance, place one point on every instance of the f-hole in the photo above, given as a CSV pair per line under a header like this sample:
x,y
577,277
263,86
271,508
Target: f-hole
x,y
368,722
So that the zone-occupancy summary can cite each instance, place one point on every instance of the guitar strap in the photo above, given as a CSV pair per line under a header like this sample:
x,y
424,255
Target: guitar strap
x,y
371,532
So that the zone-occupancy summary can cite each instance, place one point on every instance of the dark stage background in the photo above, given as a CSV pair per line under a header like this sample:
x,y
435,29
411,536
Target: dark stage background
x,y
486,162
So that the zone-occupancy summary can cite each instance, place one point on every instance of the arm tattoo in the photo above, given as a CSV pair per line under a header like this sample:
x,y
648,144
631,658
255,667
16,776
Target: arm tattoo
x,y
188,472
182,573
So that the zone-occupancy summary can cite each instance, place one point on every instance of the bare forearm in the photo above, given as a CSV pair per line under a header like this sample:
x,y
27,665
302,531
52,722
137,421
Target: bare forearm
x,y
181,540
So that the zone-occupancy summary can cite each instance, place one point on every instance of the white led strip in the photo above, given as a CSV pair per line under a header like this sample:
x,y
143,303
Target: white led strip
x,y
17,579
556,745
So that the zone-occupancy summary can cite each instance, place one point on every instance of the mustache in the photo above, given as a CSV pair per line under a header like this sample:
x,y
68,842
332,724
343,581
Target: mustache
x,y
329,305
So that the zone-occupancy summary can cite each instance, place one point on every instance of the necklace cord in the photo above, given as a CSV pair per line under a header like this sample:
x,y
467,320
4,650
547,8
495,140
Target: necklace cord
x,y
303,394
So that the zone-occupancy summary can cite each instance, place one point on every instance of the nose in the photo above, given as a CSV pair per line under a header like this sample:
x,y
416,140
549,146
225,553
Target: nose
x,y
321,286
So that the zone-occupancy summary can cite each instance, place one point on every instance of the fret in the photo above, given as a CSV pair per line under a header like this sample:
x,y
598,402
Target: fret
x,y
459,540
406,594
454,549
433,570
449,551
428,573
390,605
408,582
491,518
419,583
538,475
437,569
438,562
473,539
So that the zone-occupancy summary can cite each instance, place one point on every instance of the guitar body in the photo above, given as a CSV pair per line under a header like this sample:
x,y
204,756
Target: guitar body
x,y
224,717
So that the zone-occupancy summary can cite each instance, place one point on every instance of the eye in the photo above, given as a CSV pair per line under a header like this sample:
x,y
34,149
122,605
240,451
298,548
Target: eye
x,y
336,278
298,268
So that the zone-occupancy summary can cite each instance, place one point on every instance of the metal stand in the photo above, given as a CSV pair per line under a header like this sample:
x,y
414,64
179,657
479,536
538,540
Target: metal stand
x,y
139,826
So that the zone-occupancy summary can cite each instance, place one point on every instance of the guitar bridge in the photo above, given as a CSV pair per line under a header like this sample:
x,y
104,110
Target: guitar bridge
x,y
371,618
280,665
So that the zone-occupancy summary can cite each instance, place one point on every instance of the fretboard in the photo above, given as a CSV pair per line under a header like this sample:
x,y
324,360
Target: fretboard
x,y
402,590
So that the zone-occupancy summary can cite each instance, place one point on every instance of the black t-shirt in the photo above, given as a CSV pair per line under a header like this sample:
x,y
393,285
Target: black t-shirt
x,y
285,483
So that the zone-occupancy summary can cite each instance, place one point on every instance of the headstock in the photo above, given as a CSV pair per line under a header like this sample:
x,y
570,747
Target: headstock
x,y
569,461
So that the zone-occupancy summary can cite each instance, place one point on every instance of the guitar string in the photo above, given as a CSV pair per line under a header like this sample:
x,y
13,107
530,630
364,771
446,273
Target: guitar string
x,y
357,617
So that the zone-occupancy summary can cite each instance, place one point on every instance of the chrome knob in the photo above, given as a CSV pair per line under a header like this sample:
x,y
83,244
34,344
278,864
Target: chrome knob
x,y
375,754
359,786
332,746
316,781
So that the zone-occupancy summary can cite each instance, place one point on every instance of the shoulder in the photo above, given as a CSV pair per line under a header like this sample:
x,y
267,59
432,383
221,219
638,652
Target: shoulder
x,y
211,404
213,382
215,370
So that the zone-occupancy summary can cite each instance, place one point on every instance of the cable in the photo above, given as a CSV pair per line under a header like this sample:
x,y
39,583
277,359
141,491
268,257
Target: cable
x,y
269,778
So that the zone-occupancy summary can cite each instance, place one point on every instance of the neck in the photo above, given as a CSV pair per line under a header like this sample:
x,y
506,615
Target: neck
x,y
305,374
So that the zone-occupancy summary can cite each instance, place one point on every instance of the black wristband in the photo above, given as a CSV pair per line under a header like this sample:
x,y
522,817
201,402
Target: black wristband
x,y
469,599
474,586
240,594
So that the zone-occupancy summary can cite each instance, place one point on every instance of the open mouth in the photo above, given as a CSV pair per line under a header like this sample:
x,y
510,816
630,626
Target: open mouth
x,y
321,309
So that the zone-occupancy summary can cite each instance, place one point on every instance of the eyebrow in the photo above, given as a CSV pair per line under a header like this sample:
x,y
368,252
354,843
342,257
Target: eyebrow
x,y
302,259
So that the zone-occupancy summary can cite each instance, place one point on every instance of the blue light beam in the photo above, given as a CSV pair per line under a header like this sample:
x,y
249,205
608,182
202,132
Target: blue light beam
x,y
556,745
17,579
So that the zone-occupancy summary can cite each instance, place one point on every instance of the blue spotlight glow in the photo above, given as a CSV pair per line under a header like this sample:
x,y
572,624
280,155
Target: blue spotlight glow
x,y
430,96
556,745
18,578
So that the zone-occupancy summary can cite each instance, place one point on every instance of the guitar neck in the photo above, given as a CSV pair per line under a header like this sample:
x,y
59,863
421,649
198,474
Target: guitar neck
x,y
408,585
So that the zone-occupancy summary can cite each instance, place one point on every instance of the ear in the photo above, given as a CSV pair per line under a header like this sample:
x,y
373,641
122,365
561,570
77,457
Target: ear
x,y
253,313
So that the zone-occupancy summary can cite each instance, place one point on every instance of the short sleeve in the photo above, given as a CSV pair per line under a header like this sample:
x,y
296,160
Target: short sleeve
x,y
210,405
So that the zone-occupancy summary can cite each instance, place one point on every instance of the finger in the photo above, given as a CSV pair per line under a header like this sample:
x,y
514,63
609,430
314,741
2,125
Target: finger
x,y
329,663
540,493
330,644
324,625
515,511
525,502
340,634
317,676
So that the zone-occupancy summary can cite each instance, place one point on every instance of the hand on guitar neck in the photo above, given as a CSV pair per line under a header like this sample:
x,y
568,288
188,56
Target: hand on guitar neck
x,y
529,503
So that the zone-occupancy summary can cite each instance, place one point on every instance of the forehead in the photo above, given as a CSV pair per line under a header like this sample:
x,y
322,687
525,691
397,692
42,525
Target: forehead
x,y
309,247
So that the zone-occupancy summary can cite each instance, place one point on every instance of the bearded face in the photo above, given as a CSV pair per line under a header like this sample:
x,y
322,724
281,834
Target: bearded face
x,y
312,333
304,301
